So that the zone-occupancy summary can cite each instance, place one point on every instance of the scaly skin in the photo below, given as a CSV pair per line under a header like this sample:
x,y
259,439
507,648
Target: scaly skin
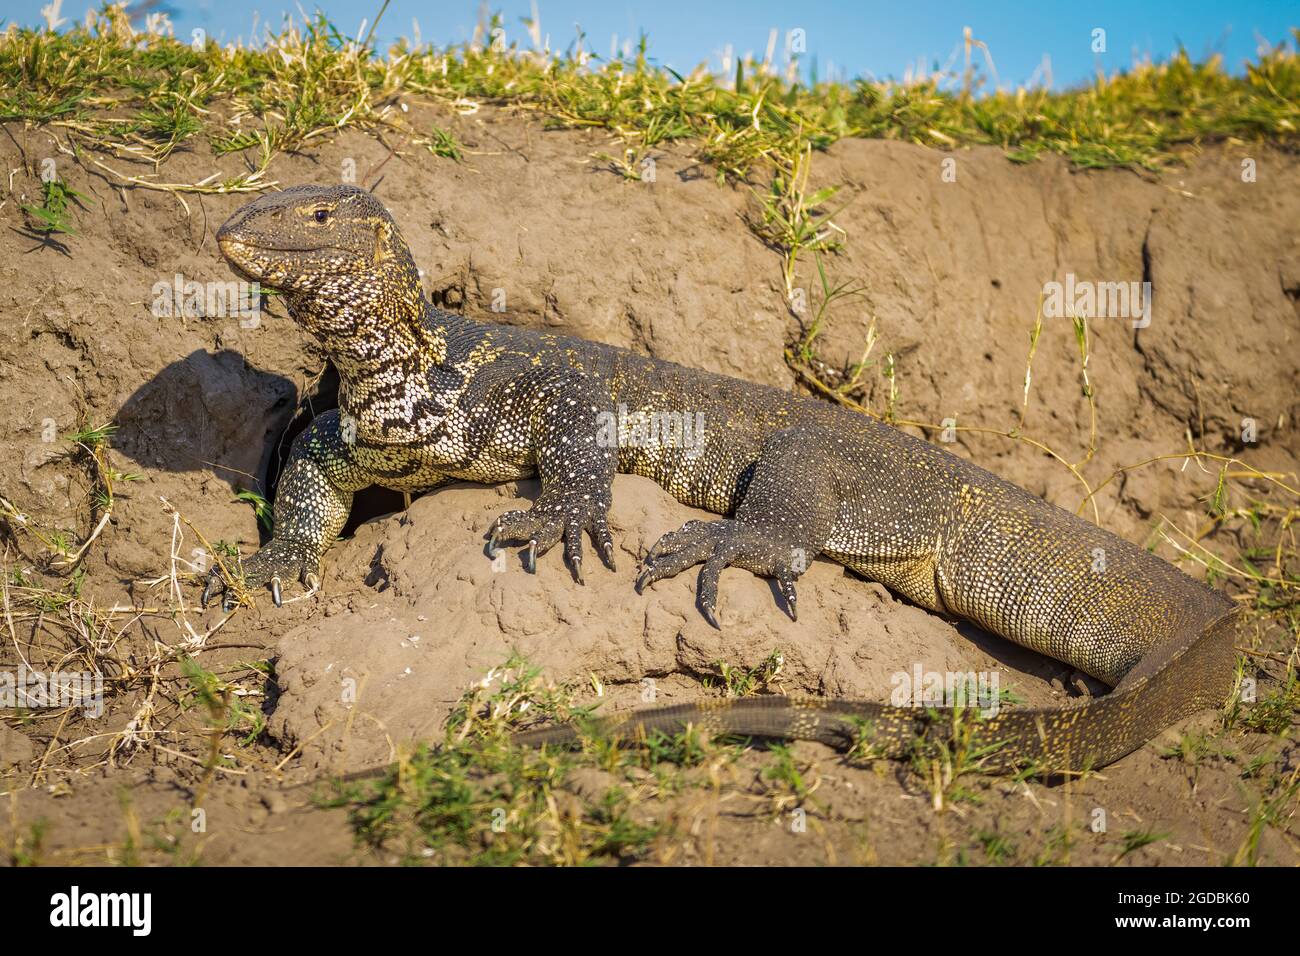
x,y
428,397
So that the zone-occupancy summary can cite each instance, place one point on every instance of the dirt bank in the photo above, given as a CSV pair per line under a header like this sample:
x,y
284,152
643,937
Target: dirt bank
x,y
412,611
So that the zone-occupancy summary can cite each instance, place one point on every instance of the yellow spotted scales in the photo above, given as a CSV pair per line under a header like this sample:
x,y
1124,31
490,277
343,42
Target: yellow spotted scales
x,y
429,397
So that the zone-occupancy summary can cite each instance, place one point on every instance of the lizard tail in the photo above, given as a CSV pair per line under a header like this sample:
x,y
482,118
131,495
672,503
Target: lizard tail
x,y
1166,685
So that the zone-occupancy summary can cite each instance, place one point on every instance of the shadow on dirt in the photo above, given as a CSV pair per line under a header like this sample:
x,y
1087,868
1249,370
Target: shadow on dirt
x,y
209,409
215,409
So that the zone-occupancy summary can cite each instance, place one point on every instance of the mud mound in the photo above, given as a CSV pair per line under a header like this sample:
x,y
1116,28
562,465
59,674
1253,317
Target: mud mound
x,y
384,666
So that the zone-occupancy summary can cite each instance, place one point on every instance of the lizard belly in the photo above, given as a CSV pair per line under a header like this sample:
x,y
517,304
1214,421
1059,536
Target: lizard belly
x,y
398,468
914,577
410,469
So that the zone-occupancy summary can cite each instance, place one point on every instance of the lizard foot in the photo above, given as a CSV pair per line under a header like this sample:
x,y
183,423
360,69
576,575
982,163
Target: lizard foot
x,y
278,562
552,518
720,544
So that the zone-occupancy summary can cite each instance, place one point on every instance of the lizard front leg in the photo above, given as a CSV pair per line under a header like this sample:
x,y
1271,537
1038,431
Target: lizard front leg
x,y
783,521
576,465
311,508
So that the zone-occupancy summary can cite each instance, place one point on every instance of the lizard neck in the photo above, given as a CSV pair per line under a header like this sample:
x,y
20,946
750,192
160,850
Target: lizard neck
x,y
373,326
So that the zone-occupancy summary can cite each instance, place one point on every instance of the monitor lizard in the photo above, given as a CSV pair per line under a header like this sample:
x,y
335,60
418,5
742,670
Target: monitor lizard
x,y
428,397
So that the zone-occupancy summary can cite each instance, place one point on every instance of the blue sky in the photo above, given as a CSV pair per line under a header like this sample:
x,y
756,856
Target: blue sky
x,y
868,38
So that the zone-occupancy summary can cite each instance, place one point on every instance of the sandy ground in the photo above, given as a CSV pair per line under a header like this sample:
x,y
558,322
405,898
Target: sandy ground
x,y
412,611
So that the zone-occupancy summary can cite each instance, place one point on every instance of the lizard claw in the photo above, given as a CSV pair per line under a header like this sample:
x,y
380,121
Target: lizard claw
x,y
719,545
785,582
559,516
281,560
209,587
709,615
216,587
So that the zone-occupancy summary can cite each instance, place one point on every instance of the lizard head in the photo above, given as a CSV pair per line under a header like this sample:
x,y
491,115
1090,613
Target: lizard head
x,y
316,240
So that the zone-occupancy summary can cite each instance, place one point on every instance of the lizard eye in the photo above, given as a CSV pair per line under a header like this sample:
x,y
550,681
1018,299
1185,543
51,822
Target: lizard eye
x,y
322,215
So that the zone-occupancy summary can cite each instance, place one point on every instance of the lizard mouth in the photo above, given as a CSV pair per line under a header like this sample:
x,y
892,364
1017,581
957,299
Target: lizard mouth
x,y
239,251
230,246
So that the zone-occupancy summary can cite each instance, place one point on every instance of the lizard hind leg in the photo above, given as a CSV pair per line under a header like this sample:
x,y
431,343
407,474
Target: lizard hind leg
x,y
781,524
